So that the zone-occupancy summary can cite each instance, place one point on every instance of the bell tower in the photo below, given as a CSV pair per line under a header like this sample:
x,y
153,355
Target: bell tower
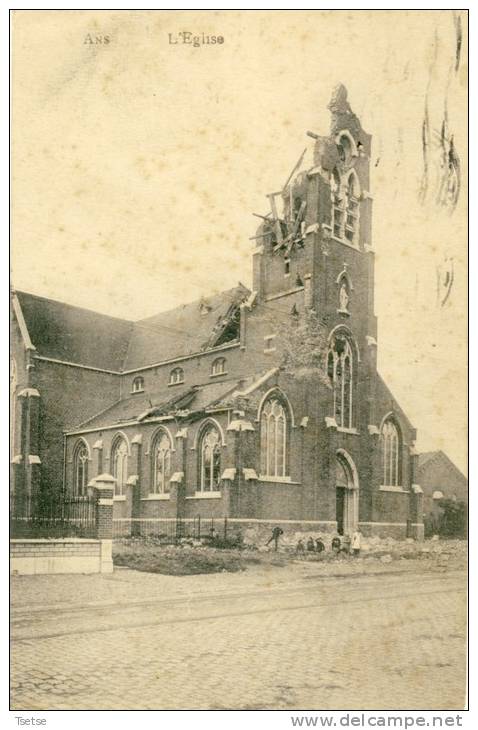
x,y
314,252
316,236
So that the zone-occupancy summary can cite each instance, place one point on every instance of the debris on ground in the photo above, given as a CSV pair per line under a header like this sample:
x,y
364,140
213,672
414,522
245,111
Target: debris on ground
x,y
196,558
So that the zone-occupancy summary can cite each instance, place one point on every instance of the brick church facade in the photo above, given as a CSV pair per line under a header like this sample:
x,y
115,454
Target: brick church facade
x,y
193,411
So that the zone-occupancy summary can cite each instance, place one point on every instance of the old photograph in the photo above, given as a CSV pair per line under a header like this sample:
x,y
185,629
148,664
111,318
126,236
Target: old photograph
x,y
238,372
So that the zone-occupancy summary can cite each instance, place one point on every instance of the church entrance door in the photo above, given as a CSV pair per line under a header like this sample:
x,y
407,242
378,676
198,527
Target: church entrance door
x,y
346,494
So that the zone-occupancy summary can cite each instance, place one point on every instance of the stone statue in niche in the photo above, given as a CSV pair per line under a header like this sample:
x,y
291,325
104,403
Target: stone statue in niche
x,y
343,297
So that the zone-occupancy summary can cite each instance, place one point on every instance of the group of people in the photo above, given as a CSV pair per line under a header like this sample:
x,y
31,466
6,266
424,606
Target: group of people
x,y
346,544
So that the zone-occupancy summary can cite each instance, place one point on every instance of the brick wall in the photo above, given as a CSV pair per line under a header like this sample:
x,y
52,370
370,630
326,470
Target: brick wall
x,y
68,396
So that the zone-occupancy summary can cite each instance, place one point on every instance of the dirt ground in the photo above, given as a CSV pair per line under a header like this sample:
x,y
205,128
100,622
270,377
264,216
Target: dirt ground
x,y
375,554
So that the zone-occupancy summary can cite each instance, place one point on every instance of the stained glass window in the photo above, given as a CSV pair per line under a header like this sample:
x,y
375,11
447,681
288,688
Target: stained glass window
x,y
161,463
273,439
210,460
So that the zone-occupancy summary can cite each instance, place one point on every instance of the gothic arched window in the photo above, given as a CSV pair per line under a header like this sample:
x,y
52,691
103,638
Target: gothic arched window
x,y
345,193
274,428
176,376
390,448
161,459
210,459
337,205
341,371
352,194
119,464
80,469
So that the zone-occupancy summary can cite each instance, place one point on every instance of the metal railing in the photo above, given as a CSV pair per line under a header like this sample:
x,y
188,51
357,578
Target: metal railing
x,y
170,531
50,516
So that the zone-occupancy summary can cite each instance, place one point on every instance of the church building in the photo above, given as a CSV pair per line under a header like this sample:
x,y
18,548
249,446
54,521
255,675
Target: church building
x,y
263,405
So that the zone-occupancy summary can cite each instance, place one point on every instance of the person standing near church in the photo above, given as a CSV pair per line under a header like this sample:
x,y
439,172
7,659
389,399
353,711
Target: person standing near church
x,y
276,533
357,541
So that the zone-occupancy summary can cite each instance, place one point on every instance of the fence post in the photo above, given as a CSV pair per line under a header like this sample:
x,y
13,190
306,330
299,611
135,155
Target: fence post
x,y
104,488
136,484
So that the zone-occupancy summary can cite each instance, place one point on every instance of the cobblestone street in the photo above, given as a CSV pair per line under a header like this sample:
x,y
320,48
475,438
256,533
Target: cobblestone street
x,y
281,640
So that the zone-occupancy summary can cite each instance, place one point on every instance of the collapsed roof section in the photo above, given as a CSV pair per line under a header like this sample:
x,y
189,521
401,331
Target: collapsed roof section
x,y
187,329
188,403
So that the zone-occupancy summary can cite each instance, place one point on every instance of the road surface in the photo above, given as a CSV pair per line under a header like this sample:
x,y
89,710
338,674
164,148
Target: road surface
x,y
131,641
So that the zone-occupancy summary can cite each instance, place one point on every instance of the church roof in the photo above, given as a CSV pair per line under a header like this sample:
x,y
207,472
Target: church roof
x,y
184,330
64,332
73,334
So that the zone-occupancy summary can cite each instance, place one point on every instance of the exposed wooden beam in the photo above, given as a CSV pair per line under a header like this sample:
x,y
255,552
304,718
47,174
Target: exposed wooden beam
x,y
297,164
277,225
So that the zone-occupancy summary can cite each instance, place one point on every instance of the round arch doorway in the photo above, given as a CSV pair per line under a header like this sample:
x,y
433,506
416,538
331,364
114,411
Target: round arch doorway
x,y
346,494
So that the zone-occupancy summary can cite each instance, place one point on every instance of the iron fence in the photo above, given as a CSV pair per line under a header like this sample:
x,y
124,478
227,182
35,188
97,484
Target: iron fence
x,y
50,516
170,531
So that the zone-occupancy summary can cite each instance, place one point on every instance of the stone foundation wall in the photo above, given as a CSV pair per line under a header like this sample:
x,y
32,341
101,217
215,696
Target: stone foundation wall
x,y
67,555
258,532
397,530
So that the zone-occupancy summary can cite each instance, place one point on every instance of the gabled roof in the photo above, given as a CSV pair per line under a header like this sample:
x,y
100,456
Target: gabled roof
x,y
76,335
73,334
427,457
184,330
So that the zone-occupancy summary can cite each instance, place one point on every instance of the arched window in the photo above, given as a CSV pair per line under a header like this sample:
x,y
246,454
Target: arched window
x,y
219,366
80,469
274,433
352,194
161,459
138,385
345,193
345,149
340,368
390,446
337,205
119,464
176,376
210,459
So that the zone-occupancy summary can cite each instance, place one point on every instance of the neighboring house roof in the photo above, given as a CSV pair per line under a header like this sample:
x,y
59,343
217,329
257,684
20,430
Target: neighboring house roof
x,y
427,457
72,334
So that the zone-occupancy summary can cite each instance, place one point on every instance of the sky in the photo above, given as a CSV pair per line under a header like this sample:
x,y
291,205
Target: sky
x,y
137,165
